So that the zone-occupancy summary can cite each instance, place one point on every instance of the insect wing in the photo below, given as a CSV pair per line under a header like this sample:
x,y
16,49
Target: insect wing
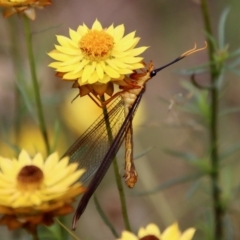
x,y
107,160
89,150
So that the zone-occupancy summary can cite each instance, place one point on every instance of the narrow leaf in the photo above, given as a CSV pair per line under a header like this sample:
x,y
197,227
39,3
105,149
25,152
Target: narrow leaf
x,y
170,183
230,151
143,153
189,157
232,110
221,28
104,217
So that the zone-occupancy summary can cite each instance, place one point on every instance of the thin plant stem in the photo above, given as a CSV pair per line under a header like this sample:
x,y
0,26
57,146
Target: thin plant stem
x,y
68,230
38,101
218,210
104,217
117,175
35,236
15,54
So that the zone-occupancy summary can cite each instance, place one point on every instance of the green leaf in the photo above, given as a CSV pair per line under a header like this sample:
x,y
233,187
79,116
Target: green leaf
x,y
228,111
193,188
235,53
29,103
235,71
52,232
230,151
5,139
212,40
142,153
221,28
104,217
201,105
236,62
202,164
188,157
203,68
170,183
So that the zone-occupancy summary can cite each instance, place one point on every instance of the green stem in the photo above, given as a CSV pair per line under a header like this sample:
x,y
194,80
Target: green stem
x,y
116,173
216,190
35,236
17,65
104,217
41,119
67,230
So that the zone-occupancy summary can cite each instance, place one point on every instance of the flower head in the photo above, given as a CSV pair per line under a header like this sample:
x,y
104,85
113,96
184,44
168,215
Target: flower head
x,y
96,56
33,191
152,232
22,6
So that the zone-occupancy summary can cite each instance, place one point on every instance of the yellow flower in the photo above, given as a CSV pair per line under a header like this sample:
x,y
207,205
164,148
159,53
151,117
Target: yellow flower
x,y
96,56
152,232
22,6
33,191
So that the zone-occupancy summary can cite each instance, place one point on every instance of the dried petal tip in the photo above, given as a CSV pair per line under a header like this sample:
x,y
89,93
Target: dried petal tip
x,y
26,7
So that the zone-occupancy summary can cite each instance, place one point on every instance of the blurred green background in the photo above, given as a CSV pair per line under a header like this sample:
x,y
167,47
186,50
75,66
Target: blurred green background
x,y
169,27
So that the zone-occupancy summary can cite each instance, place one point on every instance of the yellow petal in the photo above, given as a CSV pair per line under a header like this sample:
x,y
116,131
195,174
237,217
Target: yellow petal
x,y
82,30
97,25
117,63
105,79
87,71
81,65
136,51
71,76
66,42
188,234
118,33
110,30
6,165
35,199
172,232
69,51
99,70
131,60
136,66
111,72
24,158
68,68
73,60
93,78
50,163
74,35
38,160
128,236
125,71
56,55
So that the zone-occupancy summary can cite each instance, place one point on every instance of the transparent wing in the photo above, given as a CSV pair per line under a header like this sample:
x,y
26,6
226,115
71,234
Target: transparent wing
x,y
118,137
91,147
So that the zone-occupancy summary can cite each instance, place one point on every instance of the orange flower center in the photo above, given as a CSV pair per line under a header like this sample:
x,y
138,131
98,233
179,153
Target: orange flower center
x,y
29,178
96,45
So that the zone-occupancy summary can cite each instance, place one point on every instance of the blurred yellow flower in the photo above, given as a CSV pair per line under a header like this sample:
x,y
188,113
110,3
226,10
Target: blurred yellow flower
x,y
96,56
152,232
78,123
30,138
23,6
34,191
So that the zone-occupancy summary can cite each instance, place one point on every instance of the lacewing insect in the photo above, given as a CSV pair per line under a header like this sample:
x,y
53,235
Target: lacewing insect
x,y
97,147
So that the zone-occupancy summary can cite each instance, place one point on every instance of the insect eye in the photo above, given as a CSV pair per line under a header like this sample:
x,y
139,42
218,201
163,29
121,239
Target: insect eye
x,y
153,73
